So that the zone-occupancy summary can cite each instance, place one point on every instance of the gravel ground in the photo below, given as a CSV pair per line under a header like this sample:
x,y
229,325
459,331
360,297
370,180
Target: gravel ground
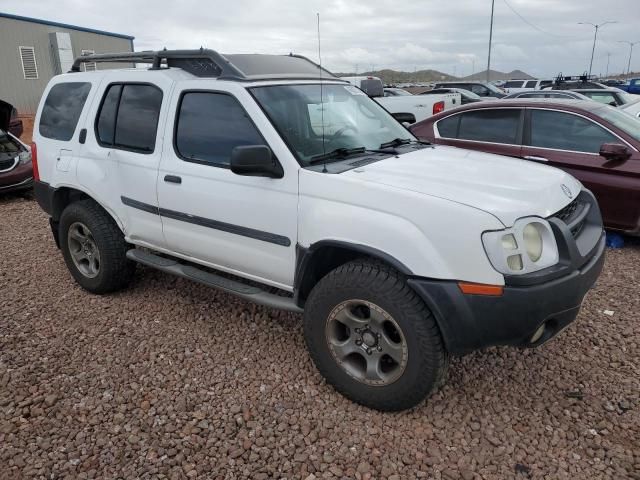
x,y
173,380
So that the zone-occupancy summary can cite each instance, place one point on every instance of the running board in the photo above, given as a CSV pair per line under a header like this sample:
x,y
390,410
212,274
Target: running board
x,y
247,292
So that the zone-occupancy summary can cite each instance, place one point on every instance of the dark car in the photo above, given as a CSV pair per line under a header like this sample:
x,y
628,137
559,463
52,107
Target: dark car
x,y
16,171
481,89
558,94
9,114
596,143
466,96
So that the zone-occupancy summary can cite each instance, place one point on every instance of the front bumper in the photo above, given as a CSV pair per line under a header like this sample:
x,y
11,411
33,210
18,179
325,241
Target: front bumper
x,y
549,298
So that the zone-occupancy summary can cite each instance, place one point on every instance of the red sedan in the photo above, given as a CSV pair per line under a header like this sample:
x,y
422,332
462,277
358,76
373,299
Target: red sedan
x,y
597,144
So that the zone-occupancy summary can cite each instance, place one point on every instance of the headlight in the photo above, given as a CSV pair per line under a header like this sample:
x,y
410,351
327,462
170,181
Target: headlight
x,y
526,247
24,157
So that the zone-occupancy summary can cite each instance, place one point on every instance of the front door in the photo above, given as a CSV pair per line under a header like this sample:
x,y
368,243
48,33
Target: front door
x,y
240,224
572,142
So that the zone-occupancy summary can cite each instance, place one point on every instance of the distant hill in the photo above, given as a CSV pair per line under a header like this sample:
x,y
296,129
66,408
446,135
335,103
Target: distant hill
x,y
424,76
497,75
394,76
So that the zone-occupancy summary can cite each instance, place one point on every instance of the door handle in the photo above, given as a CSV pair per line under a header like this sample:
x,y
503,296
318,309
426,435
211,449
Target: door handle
x,y
172,179
536,158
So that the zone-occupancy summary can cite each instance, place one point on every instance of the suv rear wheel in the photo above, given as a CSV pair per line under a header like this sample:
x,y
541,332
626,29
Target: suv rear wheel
x,y
94,248
373,338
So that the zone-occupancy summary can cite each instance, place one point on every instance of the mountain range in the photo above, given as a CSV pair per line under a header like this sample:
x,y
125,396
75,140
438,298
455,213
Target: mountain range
x,y
423,76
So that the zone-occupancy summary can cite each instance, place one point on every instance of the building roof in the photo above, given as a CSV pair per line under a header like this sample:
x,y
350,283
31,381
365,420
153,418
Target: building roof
x,y
63,25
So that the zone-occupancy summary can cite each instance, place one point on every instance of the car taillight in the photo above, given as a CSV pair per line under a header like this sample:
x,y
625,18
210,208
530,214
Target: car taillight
x,y
438,107
34,161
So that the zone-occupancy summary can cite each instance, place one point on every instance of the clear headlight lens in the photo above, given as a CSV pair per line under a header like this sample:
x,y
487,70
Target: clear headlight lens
x,y
526,247
532,241
24,157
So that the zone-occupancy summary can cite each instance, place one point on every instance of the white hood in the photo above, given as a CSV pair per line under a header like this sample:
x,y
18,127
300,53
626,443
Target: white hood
x,y
505,187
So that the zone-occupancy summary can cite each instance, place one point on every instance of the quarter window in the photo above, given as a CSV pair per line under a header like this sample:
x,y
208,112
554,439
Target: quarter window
x,y
448,127
128,117
210,125
495,126
62,110
565,131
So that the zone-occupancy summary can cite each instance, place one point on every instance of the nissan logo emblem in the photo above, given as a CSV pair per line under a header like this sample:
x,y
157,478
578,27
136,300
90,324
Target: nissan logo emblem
x,y
566,190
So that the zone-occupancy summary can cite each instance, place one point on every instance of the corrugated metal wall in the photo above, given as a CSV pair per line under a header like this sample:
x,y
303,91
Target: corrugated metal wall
x,y
25,94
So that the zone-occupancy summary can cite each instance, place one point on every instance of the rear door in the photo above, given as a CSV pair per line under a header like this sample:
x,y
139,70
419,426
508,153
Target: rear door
x,y
491,130
572,142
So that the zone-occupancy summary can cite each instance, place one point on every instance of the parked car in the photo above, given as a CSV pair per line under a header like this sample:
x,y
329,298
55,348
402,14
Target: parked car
x,y
516,86
15,126
632,87
466,96
613,83
16,172
557,94
395,92
482,89
609,96
632,108
405,108
596,143
397,253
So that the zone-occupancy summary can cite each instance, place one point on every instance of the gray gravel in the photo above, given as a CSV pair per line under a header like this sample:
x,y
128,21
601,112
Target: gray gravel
x,y
173,380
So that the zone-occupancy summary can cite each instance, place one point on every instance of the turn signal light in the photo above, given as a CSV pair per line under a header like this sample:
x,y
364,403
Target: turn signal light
x,y
481,289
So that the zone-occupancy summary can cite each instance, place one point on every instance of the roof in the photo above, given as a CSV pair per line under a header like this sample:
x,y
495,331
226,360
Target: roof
x,y
63,25
211,64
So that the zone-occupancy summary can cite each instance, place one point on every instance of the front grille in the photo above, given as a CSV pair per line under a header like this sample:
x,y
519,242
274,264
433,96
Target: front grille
x,y
7,164
570,214
567,213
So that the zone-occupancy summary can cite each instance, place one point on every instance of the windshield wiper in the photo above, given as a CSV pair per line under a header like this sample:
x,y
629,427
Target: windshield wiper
x,y
339,153
396,142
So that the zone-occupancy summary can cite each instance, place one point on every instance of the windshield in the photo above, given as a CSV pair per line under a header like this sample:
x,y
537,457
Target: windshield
x,y
347,118
493,88
624,121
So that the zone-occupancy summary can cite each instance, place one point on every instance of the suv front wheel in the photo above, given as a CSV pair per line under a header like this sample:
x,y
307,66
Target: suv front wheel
x,y
94,248
373,338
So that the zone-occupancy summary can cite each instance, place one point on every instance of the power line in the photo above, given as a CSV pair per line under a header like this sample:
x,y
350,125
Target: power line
x,y
535,27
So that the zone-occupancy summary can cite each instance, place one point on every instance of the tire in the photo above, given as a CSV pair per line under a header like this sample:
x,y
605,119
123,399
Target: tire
x,y
400,341
94,248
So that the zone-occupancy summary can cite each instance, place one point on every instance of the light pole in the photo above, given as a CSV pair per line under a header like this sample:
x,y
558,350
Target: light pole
x,y
631,44
493,4
606,75
595,37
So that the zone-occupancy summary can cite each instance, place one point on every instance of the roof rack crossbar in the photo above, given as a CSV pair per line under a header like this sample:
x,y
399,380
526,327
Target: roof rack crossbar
x,y
159,57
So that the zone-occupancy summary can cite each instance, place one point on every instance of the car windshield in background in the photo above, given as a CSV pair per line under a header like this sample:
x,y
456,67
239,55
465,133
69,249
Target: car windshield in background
x,y
468,94
347,118
493,88
622,120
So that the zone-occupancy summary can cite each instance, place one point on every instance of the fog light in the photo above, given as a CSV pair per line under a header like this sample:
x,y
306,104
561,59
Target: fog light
x,y
515,262
538,334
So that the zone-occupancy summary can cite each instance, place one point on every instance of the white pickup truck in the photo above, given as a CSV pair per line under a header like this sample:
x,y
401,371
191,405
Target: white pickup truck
x,y
406,108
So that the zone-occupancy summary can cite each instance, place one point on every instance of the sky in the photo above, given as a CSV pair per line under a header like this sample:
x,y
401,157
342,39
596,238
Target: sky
x,y
541,37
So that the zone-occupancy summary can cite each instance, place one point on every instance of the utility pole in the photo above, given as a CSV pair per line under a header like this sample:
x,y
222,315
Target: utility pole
x,y
606,75
595,37
631,44
493,4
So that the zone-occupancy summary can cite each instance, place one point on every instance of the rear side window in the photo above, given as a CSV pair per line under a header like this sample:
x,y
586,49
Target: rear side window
x,y
495,126
62,110
514,84
531,84
210,125
128,117
448,127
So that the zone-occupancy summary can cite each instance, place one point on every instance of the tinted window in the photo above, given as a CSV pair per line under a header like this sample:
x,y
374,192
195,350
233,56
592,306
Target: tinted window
x,y
531,84
448,127
107,117
137,120
564,131
533,95
513,84
62,110
210,126
480,90
496,126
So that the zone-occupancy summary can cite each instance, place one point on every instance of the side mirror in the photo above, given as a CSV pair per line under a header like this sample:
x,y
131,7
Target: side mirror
x,y
404,117
255,161
615,151
613,104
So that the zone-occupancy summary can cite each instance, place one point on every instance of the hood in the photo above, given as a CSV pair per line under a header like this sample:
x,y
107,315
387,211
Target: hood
x,y
5,115
506,187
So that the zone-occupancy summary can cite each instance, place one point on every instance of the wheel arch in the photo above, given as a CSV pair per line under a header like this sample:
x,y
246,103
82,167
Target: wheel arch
x,y
313,263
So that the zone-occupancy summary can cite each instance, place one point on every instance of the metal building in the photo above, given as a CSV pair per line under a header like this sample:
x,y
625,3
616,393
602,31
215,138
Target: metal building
x,y
32,51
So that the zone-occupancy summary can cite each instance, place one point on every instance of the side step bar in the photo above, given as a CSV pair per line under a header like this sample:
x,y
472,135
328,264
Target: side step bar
x,y
247,292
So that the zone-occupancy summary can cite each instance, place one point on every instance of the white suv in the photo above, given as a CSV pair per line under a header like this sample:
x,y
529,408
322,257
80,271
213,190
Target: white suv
x,y
243,171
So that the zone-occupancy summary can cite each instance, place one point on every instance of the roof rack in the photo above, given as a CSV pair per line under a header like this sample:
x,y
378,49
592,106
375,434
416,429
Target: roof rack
x,y
209,63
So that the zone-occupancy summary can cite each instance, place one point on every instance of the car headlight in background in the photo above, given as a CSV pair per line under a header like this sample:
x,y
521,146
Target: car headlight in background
x,y
24,157
526,247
